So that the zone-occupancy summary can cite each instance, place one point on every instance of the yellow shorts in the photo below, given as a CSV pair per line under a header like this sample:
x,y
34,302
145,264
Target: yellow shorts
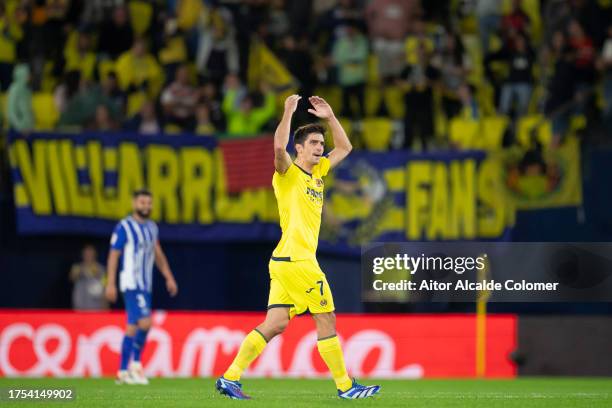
x,y
301,286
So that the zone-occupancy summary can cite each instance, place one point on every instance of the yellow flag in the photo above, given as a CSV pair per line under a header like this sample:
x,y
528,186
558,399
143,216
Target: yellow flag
x,y
264,66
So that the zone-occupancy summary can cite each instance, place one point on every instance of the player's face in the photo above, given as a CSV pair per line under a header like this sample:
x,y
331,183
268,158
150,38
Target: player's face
x,y
143,205
313,147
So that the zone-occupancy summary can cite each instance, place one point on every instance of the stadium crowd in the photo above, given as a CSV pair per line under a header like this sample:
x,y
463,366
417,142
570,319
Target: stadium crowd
x,y
402,73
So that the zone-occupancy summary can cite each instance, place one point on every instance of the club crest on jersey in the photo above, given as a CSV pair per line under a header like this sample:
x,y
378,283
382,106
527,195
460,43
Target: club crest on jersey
x,y
323,303
319,182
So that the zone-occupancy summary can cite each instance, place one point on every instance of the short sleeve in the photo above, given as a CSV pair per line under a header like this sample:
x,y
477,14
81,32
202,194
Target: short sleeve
x,y
155,231
118,238
291,173
324,165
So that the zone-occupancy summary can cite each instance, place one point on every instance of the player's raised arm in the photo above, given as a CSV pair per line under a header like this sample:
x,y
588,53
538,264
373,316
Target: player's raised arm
x,y
282,160
342,145
164,267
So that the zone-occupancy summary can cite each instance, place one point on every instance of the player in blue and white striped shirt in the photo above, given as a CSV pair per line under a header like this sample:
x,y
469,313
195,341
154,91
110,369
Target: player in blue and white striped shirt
x,y
135,242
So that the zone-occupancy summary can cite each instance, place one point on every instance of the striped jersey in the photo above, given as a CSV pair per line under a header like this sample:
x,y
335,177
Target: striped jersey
x,y
137,243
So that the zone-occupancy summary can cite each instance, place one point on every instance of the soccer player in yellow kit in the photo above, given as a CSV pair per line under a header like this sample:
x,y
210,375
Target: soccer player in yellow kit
x,y
297,284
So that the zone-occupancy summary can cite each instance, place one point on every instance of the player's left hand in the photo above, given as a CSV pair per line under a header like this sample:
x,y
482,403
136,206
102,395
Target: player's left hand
x,y
171,286
321,108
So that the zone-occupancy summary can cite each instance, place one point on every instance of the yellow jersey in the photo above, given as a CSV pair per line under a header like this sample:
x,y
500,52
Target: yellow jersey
x,y
300,201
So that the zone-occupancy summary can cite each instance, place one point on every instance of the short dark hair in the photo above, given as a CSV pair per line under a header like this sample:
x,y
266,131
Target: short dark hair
x,y
142,192
301,134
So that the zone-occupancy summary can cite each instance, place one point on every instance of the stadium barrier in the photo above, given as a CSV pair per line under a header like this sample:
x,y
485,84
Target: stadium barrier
x,y
564,345
187,344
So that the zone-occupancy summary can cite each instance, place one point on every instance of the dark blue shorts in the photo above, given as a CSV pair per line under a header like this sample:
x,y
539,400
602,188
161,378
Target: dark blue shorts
x,y
137,305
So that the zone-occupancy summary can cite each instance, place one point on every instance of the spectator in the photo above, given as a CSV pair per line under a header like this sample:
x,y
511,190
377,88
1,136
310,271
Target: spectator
x,y
116,34
300,16
174,50
332,24
217,54
188,12
88,278
584,69
417,80
592,17
66,90
103,122
419,43
19,101
606,65
111,90
179,99
242,117
95,12
145,122
388,23
489,16
138,71
584,54
561,87
469,106
74,15
10,34
556,15
518,85
350,55
516,22
296,56
204,126
454,65
81,110
34,42
55,31
278,20
209,96
80,56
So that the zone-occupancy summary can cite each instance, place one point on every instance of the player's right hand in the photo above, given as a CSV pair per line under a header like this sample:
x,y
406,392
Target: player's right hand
x,y
111,293
291,103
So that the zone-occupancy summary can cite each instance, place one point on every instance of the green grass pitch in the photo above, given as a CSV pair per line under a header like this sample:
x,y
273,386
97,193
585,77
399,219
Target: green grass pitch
x,y
291,393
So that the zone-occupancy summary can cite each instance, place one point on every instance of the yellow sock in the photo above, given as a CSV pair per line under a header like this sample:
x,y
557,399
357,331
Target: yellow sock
x,y
252,346
331,352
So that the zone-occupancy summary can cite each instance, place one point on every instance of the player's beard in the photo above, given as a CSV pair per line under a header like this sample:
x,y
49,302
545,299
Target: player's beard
x,y
144,214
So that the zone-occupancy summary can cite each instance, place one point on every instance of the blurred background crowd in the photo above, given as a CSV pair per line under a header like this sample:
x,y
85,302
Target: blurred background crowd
x,y
402,74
